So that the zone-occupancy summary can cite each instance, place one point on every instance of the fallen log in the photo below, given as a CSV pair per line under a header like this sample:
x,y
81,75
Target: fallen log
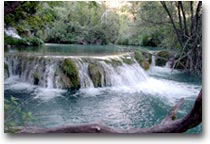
x,y
168,125
172,114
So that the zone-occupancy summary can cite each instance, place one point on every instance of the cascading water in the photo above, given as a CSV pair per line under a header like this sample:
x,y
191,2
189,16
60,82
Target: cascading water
x,y
46,71
153,60
85,80
50,76
125,75
127,96
12,32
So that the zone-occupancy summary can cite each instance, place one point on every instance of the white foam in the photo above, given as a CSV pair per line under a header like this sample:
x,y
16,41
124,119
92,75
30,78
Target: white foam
x,y
168,89
162,70
46,94
90,92
14,83
12,32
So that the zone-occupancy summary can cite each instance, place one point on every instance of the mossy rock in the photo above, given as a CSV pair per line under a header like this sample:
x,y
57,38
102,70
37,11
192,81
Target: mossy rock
x,y
127,60
69,68
145,65
31,58
138,56
64,81
95,74
143,58
114,62
162,57
147,56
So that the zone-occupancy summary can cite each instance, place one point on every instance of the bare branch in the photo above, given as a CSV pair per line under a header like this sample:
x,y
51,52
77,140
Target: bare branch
x,y
179,14
192,16
173,23
184,17
172,115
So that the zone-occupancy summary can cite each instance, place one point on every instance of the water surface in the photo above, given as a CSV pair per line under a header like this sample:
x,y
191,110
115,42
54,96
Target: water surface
x,y
77,50
142,104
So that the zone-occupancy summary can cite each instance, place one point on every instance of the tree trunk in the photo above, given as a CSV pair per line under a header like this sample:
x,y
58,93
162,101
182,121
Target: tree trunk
x,y
190,42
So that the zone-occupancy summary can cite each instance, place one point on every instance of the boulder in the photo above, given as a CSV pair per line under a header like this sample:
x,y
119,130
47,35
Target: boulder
x,y
70,70
95,72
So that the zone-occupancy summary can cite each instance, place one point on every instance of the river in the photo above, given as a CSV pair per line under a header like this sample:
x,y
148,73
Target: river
x,y
129,96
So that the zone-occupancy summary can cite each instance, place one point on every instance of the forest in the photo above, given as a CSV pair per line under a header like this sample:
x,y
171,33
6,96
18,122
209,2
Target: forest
x,y
80,53
172,25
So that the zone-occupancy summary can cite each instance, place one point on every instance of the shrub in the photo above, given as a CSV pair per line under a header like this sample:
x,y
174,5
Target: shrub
x,y
23,42
14,115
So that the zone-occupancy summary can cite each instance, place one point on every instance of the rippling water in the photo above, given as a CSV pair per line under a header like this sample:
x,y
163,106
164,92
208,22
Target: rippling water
x,y
142,105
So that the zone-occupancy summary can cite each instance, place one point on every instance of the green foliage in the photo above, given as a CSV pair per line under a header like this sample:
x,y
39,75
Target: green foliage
x,y
90,22
14,115
23,41
138,56
152,26
127,60
162,57
23,11
147,56
71,71
84,23
142,59
123,40
134,40
114,62
31,18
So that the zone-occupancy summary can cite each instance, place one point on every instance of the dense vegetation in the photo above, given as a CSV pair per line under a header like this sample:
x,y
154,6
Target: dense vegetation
x,y
173,25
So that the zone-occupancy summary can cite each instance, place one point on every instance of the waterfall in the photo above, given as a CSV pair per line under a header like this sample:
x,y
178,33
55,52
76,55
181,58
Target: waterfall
x,y
12,32
47,72
168,64
123,75
50,75
85,80
153,60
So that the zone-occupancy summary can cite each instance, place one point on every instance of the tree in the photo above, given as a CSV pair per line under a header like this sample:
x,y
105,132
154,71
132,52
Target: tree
x,y
188,32
153,26
84,23
28,17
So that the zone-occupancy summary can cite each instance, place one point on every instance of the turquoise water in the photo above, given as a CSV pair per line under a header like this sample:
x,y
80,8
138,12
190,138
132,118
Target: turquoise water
x,y
77,50
125,107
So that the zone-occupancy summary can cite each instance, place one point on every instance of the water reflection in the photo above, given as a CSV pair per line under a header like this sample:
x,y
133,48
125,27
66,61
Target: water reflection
x,y
76,50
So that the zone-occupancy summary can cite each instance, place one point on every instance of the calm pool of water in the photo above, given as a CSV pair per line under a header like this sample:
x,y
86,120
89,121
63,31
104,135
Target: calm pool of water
x,y
77,50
